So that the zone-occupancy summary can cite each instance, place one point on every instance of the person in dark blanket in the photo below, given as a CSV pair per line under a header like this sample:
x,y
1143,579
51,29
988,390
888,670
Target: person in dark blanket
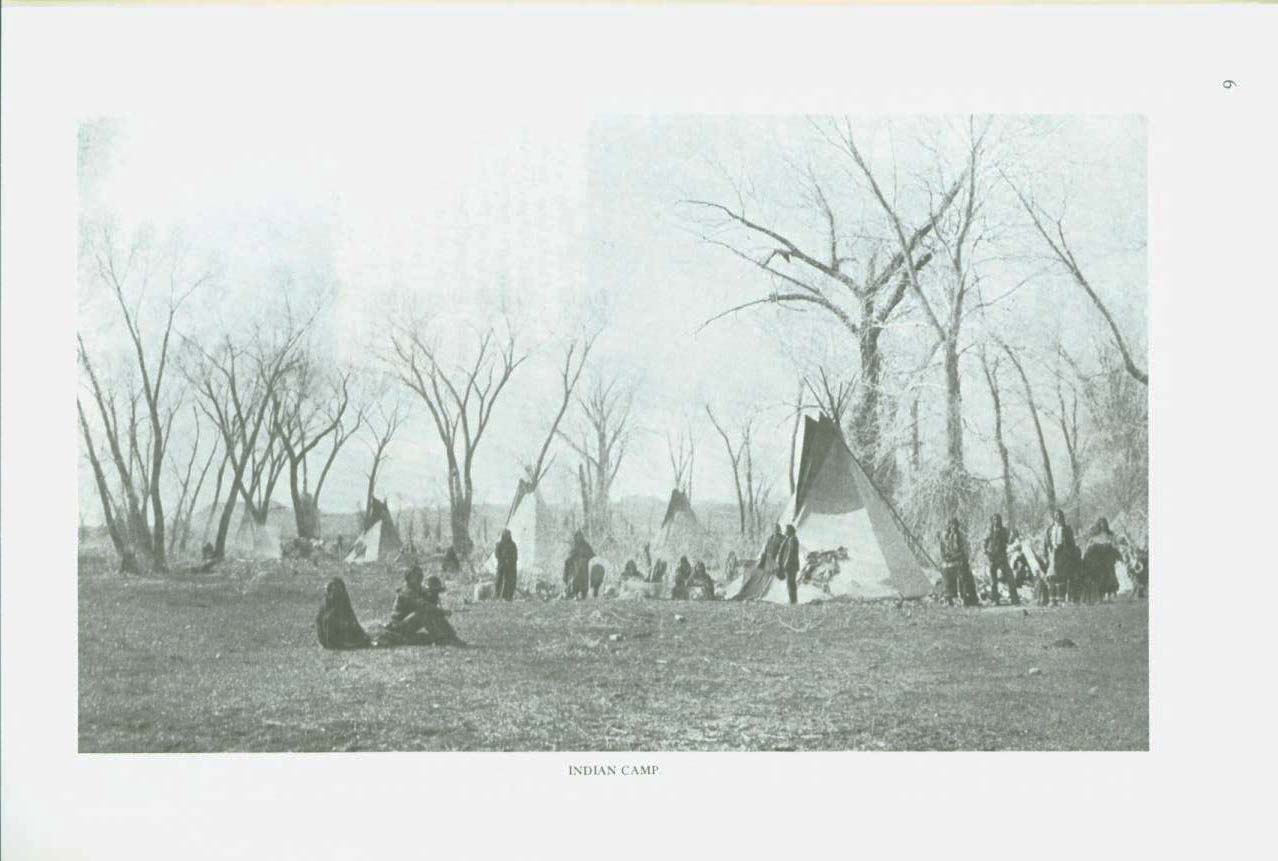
x,y
789,563
701,581
336,624
683,573
1100,559
1061,553
768,559
596,579
507,566
631,571
658,571
416,618
996,553
955,567
577,567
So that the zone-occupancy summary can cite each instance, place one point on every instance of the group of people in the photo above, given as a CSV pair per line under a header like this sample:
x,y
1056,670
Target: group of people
x,y
416,619
781,557
1068,573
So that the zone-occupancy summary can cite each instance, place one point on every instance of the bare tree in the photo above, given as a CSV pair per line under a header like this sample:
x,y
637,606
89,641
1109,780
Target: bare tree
x,y
237,384
682,449
861,302
382,423
461,401
1059,245
575,356
990,368
956,239
307,412
138,449
751,491
189,493
1049,481
600,440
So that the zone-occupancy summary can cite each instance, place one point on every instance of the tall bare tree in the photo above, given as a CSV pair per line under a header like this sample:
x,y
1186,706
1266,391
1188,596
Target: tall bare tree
x,y
383,423
862,301
1055,238
460,400
236,382
1049,480
990,369
309,411
575,357
600,440
751,491
138,449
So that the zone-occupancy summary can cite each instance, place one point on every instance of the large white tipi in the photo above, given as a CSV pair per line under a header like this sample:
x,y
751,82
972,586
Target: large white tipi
x,y
836,505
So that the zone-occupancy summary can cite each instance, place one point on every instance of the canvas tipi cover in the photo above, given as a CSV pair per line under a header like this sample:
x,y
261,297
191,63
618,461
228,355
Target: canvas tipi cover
x,y
835,504
380,541
531,529
682,534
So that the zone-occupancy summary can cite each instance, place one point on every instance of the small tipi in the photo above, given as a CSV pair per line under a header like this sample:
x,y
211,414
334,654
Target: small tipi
x,y
531,528
682,534
380,540
836,505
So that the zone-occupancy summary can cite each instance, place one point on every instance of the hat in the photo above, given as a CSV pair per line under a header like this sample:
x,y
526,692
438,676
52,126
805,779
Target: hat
x,y
434,584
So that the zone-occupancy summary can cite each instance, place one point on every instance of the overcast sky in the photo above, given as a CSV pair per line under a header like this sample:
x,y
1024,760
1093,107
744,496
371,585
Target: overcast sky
x,y
567,223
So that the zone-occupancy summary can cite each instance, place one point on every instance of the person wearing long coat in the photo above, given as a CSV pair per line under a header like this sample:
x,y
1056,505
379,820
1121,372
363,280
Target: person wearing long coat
x,y
789,563
996,553
577,567
336,625
956,568
507,566
1063,559
1100,559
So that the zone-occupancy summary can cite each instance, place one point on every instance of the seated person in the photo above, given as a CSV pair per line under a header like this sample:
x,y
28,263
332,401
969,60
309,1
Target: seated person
x,y
336,624
416,619
631,571
683,574
701,585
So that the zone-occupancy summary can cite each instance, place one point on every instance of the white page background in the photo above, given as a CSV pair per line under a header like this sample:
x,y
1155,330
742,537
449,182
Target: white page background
x,y
1203,788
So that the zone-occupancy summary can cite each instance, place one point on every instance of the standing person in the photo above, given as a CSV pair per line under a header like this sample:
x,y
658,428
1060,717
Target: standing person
x,y
507,566
768,559
955,567
577,567
1099,560
789,563
996,553
1061,551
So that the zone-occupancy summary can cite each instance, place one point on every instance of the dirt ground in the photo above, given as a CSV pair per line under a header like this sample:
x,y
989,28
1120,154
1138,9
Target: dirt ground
x,y
230,663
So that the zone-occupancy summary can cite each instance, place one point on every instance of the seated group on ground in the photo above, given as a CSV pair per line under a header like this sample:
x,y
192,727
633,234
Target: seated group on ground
x,y
416,618
1064,573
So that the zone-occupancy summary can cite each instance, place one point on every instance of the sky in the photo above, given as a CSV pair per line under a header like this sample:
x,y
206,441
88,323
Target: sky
x,y
563,224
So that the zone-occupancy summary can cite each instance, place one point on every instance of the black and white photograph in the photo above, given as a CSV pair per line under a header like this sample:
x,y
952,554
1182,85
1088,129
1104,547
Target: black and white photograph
x,y
634,430
639,433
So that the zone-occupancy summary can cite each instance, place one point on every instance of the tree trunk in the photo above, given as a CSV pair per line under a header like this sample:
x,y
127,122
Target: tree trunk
x,y
865,417
953,408
1009,507
915,444
1049,482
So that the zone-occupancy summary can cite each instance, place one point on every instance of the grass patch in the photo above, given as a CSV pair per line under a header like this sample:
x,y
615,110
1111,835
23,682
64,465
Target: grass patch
x,y
231,664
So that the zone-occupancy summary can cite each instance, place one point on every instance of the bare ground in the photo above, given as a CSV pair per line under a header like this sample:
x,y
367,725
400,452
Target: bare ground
x,y
230,663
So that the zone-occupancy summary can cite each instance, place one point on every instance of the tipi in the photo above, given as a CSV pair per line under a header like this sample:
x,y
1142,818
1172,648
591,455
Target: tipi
x,y
682,534
836,505
531,529
380,541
